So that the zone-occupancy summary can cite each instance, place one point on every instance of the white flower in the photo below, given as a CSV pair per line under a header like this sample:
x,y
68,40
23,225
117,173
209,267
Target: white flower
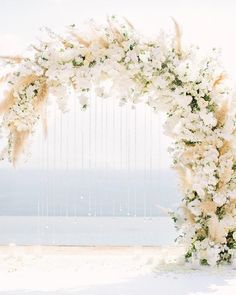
x,y
232,194
194,207
187,71
101,92
234,235
208,118
83,99
212,255
182,99
160,82
220,199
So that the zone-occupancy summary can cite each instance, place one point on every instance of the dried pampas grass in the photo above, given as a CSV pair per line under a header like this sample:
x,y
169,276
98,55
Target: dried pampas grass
x,y
216,230
100,38
81,40
4,78
41,96
9,98
19,139
219,79
184,176
188,215
208,207
178,36
221,113
39,106
230,206
225,148
14,59
116,33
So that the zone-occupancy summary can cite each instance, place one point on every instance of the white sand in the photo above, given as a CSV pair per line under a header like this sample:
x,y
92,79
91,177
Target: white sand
x,y
106,271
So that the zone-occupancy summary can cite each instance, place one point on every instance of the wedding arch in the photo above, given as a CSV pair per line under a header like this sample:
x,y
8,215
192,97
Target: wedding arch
x,y
116,61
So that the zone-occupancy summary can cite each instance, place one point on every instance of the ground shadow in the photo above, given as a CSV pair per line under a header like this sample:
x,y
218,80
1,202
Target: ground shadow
x,y
194,283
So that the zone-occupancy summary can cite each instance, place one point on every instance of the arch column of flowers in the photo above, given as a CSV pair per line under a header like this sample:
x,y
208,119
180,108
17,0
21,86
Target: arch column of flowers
x,y
116,61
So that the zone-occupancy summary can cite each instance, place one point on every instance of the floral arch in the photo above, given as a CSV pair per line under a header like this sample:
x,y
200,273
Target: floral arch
x,y
115,60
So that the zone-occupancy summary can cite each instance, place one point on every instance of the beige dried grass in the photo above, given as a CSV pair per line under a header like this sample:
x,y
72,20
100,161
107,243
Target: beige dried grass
x,y
208,207
221,113
178,37
216,230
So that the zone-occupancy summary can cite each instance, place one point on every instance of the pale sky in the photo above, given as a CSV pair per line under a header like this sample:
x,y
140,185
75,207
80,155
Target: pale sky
x,y
209,23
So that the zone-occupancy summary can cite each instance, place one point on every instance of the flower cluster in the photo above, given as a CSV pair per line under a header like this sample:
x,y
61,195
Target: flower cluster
x,y
117,61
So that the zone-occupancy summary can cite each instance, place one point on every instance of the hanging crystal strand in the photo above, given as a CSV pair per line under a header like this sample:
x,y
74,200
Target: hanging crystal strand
x,y
82,140
96,200
102,138
82,172
113,134
114,153
95,148
75,146
43,184
89,162
121,147
47,187
53,209
135,159
159,160
40,192
150,153
67,161
97,138
105,139
127,161
60,157
114,213
145,161
95,131
160,141
75,135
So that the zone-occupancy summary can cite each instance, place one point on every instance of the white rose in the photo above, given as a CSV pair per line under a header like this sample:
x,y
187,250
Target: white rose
x,y
234,235
219,199
182,99
208,118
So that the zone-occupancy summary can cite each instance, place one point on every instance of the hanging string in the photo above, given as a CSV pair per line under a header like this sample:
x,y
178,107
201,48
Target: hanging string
x,y
121,144
89,164
53,208
150,154
127,160
67,162
135,159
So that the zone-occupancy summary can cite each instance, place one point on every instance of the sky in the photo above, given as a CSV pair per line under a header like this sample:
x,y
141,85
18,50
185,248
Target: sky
x,y
206,23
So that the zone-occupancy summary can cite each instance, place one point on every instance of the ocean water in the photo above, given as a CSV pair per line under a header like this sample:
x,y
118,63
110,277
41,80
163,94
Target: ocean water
x,y
86,231
87,192
89,207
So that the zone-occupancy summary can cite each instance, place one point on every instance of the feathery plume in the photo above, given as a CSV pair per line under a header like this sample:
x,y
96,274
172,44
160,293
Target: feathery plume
x,y
221,113
216,231
208,207
178,36
15,59
219,79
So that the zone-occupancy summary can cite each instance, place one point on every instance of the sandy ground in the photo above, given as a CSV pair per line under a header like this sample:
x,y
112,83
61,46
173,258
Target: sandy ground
x,y
101,270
